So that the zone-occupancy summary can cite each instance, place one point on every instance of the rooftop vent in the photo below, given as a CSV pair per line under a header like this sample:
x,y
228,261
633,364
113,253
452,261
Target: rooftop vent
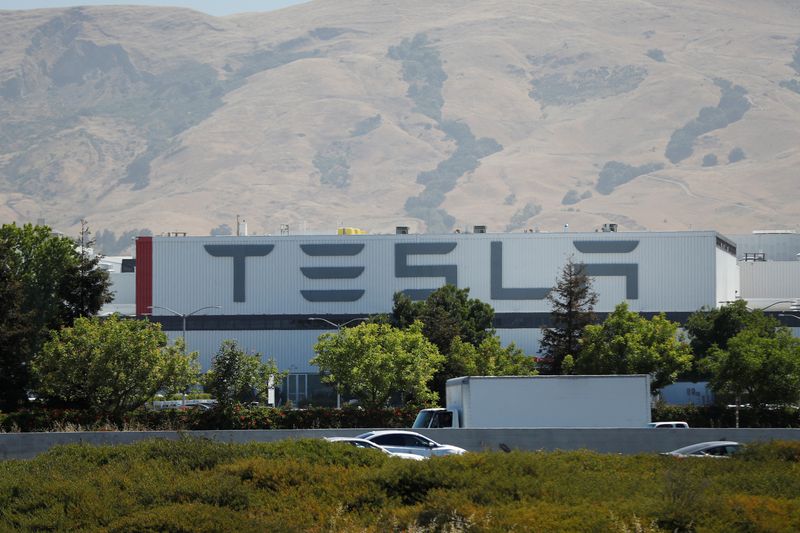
x,y
479,229
401,230
609,228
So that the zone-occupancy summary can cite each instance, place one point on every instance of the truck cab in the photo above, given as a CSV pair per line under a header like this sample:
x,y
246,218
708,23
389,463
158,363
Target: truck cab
x,y
436,418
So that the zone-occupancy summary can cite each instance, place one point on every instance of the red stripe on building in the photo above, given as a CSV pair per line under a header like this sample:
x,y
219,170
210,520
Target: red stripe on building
x,y
144,275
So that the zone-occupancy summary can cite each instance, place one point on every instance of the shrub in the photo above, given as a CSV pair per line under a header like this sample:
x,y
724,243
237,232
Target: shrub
x,y
312,485
656,55
732,106
736,155
615,173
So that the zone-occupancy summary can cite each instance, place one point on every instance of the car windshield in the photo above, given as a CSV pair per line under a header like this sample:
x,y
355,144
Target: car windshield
x,y
423,419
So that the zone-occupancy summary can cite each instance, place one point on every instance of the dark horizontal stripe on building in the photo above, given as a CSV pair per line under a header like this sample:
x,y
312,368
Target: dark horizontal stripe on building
x,y
304,322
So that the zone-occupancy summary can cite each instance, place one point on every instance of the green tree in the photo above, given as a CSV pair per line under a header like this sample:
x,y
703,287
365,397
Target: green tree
x,y
572,301
373,361
490,358
447,314
112,365
627,343
757,369
237,376
15,334
709,328
51,283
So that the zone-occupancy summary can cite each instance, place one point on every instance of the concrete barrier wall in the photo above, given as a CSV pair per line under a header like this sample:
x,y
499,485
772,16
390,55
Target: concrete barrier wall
x,y
607,440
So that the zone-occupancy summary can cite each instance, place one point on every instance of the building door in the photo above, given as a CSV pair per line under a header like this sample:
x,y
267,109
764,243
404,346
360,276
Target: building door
x,y
296,388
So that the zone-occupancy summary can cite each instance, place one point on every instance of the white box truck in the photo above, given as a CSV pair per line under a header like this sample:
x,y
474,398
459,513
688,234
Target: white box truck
x,y
542,401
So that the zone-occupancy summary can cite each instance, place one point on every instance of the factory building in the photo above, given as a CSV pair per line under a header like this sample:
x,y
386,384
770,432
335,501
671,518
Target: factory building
x,y
276,294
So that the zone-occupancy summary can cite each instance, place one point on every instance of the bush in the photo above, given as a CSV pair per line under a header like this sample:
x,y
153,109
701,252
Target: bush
x,y
733,104
722,416
312,485
736,155
235,417
615,173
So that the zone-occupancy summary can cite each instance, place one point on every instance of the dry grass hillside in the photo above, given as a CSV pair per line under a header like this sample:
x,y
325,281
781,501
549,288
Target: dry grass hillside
x,y
662,114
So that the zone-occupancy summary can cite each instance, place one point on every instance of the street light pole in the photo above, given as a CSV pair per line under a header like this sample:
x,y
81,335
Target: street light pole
x,y
183,316
794,307
338,329
183,324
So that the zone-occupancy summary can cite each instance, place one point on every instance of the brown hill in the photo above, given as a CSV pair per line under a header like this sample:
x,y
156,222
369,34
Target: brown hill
x,y
515,114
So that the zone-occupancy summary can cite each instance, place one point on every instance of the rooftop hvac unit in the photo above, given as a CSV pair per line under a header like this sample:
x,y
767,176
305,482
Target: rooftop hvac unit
x,y
401,230
351,231
479,229
609,228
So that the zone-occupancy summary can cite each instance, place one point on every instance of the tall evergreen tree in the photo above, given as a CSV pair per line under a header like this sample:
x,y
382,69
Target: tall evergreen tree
x,y
572,300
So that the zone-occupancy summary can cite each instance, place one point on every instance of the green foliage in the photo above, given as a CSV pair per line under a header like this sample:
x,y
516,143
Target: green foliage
x,y
237,376
733,104
722,416
489,358
15,332
447,313
235,417
615,174
312,485
438,182
523,215
373,361
715,327
366,126
48,283
582,85
627,343
786,451
710,160
795,64
572,302
423,71
792,85
111,365
757,369
656,55
736,155
450,316
571,197
107,242
333,165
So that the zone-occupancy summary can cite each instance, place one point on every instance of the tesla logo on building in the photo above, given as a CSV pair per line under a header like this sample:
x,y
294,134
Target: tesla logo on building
x,y
403,268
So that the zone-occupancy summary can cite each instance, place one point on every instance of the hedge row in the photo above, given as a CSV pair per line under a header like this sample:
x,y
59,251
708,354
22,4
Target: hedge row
x,y
725,417
312,485
238,417
241,417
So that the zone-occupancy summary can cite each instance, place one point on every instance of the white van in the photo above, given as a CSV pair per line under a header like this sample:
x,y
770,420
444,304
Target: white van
x,y
668,425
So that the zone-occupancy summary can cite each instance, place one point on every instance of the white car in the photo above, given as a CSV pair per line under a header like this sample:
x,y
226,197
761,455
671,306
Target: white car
x,y
362,443
399,441
714,448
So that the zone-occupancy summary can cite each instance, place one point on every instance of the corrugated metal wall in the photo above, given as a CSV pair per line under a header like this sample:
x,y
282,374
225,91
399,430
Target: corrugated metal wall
x,y
770,279
677,272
